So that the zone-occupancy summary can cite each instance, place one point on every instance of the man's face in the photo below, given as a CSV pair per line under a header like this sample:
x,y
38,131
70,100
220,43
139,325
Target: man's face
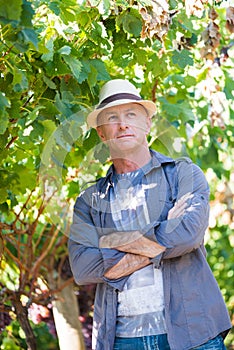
x,y
124,127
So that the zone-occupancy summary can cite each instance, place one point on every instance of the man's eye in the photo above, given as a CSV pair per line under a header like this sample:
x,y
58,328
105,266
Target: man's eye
x,y
131,115
112,118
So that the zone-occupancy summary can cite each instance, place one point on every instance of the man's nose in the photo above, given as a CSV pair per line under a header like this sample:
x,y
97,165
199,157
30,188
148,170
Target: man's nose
x,y
123,123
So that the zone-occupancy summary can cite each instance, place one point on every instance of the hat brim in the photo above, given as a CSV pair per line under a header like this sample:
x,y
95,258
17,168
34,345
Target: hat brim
x,y
148,105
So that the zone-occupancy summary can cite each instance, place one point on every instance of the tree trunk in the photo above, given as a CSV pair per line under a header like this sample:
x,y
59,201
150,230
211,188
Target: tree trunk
x,y
68,326
22,316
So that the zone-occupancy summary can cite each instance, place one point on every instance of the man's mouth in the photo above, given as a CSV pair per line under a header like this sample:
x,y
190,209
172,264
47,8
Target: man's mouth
x,y
124,136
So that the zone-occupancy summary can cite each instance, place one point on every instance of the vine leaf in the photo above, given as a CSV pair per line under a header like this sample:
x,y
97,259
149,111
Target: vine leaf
x,y
182,58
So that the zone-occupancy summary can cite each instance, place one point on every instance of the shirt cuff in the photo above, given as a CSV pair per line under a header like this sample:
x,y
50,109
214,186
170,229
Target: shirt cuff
x,y
110,258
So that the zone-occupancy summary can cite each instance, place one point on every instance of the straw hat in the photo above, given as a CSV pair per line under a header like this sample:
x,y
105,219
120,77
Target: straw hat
x,y
117,92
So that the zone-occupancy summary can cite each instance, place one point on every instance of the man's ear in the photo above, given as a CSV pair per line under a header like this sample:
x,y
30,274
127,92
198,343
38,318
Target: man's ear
x,y
100,133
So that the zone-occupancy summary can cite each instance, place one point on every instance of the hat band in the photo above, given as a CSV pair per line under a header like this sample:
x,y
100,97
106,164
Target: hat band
x,y
117,97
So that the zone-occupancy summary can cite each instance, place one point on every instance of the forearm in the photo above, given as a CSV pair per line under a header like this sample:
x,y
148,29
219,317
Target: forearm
x,y
127,265
132,242
143,246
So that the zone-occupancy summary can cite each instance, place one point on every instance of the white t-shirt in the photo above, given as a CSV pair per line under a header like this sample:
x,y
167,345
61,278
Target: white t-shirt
x,y
141,303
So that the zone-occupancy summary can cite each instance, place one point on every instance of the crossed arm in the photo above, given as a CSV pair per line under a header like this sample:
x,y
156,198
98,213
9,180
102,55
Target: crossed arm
x,y
138,248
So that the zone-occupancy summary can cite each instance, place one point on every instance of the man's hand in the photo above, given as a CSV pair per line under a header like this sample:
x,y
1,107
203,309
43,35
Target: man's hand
x,y
142,246
118,238
131,242
179,207
127,265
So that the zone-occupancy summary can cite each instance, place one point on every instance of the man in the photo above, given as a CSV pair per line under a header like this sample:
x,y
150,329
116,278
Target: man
x,y
138,234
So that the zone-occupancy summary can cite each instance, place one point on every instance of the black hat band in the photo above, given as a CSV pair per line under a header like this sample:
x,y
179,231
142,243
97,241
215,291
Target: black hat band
x,y
116,97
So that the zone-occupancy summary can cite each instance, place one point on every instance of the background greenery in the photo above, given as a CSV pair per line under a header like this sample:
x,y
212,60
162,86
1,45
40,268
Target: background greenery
x,y
55,57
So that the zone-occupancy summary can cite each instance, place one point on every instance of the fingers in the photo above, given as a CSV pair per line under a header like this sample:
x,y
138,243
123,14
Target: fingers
x,y
179,207
177,210
185,197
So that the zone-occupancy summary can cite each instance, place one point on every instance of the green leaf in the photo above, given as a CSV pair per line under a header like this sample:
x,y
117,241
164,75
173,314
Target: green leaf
x,y
121,54
131,22
49,110
157,66
74,64
186,112
49,128
83,19
182,58
11,10
101,152
49,82
9,344
14,110
34,114
47,152
50,51
62,139
189,81
168,108
85,70
27,178
54,7
180,110
4,102
101,69
65,50
30,36
3,140
92,139
63,107
27,14
228,89
140,56
57,66
202,75
73,189
211,158
185,22
3,121
68,97
92,77
20,82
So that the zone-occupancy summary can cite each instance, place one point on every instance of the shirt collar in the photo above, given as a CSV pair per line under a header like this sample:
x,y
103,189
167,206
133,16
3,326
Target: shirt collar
x,y
158,160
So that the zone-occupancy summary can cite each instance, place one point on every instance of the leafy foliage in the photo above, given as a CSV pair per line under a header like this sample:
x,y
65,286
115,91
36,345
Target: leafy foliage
x,y
56,55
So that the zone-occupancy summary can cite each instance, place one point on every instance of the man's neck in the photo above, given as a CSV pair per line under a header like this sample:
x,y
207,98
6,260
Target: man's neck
x,y
131,163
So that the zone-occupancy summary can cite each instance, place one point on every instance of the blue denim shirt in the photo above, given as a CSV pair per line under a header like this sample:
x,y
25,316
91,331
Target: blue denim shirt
x,y
194,307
